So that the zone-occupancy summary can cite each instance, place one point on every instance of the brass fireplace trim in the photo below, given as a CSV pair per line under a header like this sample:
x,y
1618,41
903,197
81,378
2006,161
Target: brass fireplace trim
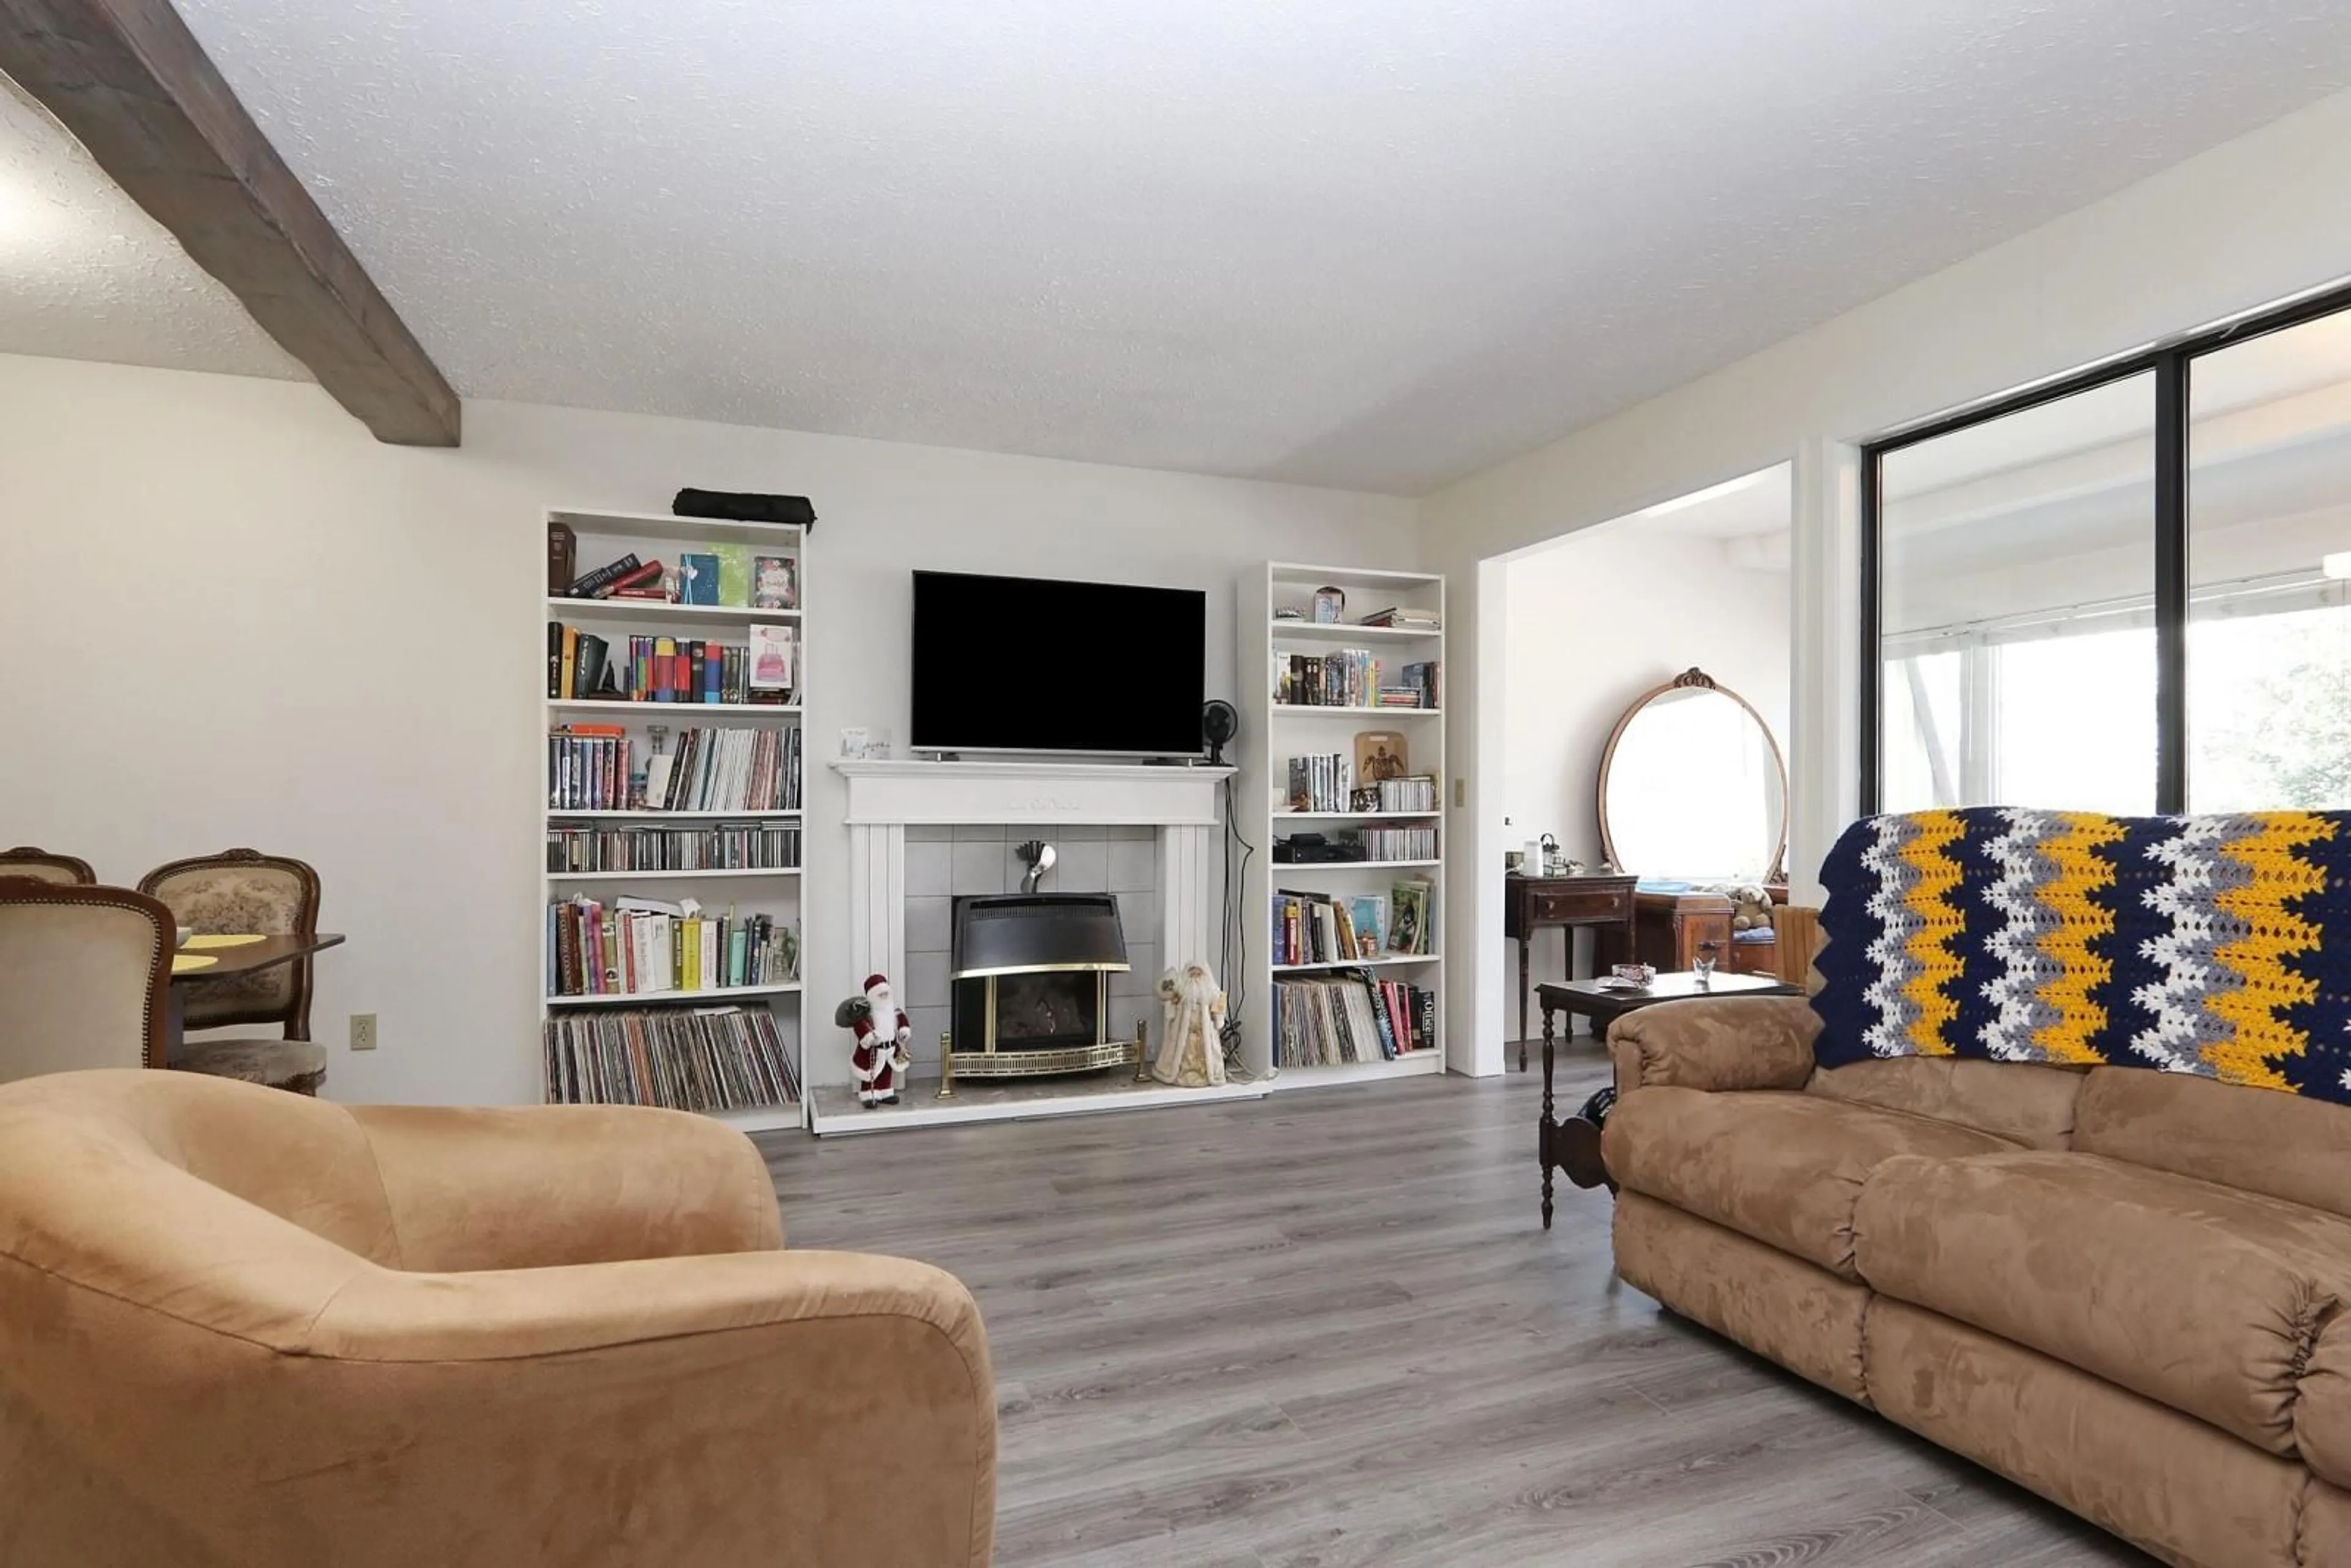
x,y
991,1063
1041,969
1037,1063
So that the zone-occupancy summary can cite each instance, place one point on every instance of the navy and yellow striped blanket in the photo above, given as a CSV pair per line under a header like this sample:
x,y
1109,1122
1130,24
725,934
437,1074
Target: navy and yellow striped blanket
x,y
2218,945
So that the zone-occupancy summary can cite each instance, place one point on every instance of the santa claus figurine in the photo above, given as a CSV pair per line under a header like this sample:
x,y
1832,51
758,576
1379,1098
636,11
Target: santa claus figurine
x,y
882,1031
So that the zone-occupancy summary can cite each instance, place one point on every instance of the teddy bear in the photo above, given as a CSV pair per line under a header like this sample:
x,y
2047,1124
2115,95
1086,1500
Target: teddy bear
x,y
1750,907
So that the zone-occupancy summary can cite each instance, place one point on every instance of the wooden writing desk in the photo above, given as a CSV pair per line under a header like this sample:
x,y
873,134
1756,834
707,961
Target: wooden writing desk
x,y
1530,904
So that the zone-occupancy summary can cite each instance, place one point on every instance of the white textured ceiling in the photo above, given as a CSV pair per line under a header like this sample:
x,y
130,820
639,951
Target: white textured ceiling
x,y
86,275
1371,242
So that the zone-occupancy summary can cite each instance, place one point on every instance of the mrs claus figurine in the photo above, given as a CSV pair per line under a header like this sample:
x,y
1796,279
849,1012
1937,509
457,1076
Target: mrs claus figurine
x,y
1191,1055
882,1031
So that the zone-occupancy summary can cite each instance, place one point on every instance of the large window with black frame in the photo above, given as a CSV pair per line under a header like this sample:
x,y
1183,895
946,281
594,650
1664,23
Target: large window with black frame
x,y
2128,592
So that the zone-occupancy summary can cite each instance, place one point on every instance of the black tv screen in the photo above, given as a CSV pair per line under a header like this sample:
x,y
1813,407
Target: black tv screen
x,y
1026,663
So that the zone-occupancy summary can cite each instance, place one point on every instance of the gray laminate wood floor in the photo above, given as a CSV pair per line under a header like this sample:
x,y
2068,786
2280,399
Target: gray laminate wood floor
x,y
1328,1328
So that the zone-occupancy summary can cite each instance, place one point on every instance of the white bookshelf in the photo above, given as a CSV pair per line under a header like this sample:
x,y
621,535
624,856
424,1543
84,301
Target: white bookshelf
x,y
775,892
1272,732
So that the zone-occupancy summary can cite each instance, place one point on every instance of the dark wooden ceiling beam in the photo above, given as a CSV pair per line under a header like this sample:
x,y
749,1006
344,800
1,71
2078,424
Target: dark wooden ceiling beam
x,y
130,80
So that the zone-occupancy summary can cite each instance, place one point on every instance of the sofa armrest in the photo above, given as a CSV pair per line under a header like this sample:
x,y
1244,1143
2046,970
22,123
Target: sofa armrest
x,y
543,1186
751,1408
688,1407
1720,1043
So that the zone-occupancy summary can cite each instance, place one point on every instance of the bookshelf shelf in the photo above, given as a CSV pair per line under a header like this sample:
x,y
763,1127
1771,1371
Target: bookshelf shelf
x,y
1275,734
650,527
670,876
555,815
655,710
1417,1064
725,1057
674,998
655,610
1332,710
1392,960
1340,632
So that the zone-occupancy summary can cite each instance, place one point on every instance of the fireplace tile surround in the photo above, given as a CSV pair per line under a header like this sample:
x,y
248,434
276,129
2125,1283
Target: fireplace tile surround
x,y
939,855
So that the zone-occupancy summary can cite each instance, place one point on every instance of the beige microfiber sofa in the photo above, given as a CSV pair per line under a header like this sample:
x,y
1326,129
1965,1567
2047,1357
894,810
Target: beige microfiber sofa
x,y
242,1329
2122,1289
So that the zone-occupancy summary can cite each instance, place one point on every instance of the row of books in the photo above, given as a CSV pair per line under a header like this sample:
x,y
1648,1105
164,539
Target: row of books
x,y
1352,677
1417,687
682,1058
1329,1020
1322,783
1345,677
1325,928
582,667
1394,843
599,768
722,846
635,945
723,574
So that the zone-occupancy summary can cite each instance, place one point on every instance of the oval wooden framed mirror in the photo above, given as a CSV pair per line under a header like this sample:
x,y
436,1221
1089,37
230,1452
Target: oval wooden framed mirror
x,y
1693,787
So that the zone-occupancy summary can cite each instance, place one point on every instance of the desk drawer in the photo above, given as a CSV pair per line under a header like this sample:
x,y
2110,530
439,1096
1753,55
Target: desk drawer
x,y
1552,908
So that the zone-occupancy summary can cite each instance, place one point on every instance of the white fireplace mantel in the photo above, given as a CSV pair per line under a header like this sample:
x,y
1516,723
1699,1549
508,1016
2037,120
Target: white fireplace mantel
x,y
887,797
1031,794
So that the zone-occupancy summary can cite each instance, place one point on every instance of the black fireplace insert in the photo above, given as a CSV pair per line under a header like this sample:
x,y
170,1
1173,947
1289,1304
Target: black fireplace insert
x,y
1032,986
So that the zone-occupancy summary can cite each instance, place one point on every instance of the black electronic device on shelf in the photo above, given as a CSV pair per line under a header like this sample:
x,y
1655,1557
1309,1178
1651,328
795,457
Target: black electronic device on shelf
x,y
1315,849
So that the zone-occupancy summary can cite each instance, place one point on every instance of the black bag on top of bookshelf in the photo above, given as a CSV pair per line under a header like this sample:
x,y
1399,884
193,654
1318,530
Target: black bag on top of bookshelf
x,y
741,507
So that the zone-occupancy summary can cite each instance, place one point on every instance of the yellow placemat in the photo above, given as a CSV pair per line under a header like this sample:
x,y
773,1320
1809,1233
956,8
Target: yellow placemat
x,y
181,963
218,939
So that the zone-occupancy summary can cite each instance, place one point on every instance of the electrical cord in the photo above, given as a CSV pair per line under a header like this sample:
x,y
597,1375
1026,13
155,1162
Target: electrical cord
x,y
1234,937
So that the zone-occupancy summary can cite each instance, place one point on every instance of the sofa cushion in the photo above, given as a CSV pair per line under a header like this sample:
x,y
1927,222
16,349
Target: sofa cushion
x,y
2173,1485
1783,1167
1779,1306
2283,1145
2024,1102
2204,1299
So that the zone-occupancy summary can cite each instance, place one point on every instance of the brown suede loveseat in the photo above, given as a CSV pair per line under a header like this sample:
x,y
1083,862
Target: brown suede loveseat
x,y
2122,1289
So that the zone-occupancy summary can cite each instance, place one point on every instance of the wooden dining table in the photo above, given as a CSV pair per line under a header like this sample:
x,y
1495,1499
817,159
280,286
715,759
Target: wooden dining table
x,y
242,958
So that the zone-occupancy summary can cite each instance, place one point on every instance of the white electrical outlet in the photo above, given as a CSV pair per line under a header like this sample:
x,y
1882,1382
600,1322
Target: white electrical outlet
x,y
363,1031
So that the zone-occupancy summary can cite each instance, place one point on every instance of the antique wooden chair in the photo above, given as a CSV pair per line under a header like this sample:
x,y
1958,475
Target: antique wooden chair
x,y
245,891
43,866
85,976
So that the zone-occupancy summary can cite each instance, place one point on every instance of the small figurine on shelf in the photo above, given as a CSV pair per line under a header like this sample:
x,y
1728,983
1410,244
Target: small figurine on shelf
x,y
882,1031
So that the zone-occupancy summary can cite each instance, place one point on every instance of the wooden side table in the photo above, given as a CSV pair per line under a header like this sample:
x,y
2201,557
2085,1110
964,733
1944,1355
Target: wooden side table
x,y
1530,904
1573,1145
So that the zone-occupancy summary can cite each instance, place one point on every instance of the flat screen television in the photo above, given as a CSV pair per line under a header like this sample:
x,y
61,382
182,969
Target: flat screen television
x,y
1027,663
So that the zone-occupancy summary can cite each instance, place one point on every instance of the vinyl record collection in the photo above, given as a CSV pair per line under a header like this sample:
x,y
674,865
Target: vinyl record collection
x,y
683,1059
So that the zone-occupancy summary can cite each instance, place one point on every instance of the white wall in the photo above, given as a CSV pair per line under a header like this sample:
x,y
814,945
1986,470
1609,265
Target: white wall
x,y
2249,222
238,620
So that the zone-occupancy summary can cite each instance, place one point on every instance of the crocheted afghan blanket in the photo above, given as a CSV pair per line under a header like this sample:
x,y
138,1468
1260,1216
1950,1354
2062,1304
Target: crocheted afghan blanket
x,y
2219,946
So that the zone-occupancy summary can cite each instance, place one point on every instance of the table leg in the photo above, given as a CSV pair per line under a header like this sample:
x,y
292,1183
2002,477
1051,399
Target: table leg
x,y
1522,1000
1543,1129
